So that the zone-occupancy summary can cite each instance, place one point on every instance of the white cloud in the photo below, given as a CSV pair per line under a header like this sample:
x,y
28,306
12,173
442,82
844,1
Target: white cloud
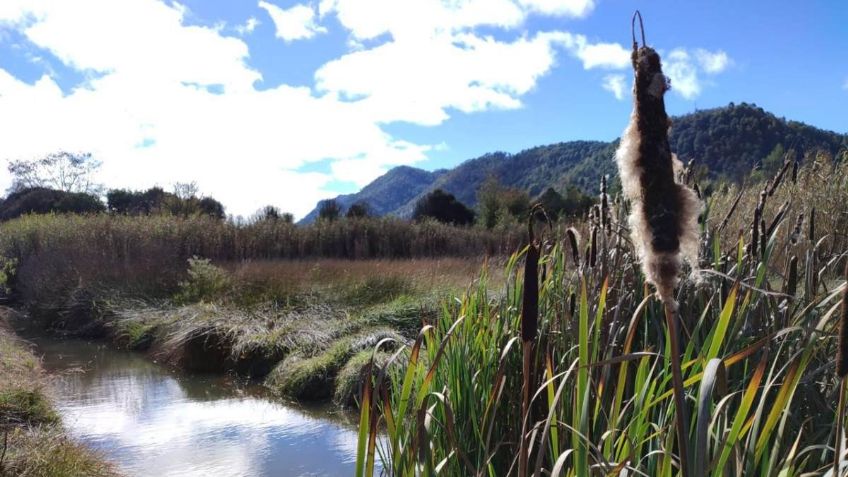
x,y
151,117
616,84
248,27
571,8
712,62
170,102
295,23
416,81
682,73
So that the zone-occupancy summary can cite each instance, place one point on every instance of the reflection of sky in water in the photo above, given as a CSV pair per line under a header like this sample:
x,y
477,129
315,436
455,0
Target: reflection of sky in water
x,y
153,423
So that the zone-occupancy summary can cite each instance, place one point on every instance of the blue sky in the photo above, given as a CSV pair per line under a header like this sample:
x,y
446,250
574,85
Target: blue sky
x,y
286,102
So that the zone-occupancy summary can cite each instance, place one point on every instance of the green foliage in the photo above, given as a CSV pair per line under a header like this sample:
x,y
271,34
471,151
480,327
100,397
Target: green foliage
x,y
497,204
726,143
358,210
443,207
329,210
40,200
156,201
8,273
755,361
205,283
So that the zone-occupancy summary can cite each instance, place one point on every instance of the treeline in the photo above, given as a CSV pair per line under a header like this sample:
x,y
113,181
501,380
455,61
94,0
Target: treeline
x,y
497,205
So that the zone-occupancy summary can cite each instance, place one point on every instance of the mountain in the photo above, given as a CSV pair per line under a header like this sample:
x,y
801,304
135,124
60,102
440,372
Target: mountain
x,y
398,186
725,142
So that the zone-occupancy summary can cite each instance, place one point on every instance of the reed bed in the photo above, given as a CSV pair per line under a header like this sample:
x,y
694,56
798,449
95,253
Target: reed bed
x,y
590,389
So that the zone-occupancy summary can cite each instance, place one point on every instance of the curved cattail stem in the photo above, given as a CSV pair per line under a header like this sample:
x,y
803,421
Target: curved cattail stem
x,y
641,27
755,232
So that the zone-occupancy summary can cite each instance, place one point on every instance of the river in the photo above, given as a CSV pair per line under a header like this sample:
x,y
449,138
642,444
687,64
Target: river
x,y
153,421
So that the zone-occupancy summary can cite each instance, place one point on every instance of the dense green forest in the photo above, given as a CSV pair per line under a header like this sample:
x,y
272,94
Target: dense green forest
x,y
726,143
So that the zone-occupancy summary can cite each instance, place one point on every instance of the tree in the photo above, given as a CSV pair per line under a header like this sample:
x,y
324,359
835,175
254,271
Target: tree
x,y
329,210
443,207
211,207
40,200
496,202
358,210
64,171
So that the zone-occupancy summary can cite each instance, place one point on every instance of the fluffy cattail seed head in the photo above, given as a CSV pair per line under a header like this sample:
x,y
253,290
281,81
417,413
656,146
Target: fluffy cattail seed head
x,y
664,215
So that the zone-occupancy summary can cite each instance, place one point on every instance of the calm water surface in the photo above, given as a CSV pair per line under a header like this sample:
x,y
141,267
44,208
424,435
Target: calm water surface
x,y
155,422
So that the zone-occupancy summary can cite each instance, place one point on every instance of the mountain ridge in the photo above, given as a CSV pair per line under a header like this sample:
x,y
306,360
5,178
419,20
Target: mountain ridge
x,y
726,142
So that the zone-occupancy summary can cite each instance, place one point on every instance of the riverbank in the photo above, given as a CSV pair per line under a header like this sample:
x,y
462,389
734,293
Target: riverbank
x,y
32,439
305,329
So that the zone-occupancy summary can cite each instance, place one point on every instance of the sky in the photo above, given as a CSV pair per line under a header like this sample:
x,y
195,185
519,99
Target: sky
x,y
287,102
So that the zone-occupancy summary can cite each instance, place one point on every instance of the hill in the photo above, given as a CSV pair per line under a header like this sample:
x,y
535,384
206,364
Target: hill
x,y
726,142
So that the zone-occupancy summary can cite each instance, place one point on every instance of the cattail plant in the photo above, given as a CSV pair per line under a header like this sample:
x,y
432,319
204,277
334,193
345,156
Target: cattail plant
x,y
529,327
664,215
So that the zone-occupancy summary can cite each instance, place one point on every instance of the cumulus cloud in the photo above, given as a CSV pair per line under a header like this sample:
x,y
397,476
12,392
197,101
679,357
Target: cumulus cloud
x,y
571,8
712,62
165,101
295,23
616,85
247,27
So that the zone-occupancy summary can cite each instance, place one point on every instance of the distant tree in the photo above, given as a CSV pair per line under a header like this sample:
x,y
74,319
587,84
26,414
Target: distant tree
x,y
40,200
287,217
489,201
329,210
183,202
269,212
552,202
211,207
575,203
443,207
358,210
496,202
64,171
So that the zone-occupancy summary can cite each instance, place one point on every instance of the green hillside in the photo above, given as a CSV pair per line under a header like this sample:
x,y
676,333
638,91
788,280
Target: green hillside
x,y
727,142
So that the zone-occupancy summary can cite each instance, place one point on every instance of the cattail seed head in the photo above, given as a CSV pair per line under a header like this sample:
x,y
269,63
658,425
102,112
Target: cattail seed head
x,y
792,277
530,302
664,215
573,238
593,247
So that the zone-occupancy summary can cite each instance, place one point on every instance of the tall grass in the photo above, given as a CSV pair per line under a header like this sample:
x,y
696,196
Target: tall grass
x,y
756,361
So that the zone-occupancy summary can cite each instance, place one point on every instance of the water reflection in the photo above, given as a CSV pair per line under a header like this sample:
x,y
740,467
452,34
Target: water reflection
x,y
156,423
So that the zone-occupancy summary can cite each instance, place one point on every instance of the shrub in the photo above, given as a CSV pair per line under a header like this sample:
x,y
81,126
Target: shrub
x,y
205,283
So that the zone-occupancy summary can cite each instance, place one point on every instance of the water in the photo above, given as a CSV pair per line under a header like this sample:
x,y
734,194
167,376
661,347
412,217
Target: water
x,y
152,421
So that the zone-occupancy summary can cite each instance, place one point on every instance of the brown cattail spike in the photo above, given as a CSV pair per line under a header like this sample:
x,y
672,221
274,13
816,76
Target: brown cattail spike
x,y
792,277
530,303
842,350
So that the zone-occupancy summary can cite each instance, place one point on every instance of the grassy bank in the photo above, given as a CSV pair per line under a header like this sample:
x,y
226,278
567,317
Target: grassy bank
x,y
298,325
32,441
759,336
